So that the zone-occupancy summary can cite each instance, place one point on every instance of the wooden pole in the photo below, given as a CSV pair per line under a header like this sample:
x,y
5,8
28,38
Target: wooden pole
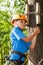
x,y
37,54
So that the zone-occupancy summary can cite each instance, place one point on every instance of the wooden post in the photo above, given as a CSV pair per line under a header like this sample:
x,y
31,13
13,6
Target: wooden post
x,y
37,54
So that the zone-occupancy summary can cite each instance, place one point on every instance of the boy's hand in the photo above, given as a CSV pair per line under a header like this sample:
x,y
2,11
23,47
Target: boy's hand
x,y
37,30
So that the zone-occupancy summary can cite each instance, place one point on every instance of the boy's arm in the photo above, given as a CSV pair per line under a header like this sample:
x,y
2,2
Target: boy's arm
x,y
32,46
28,39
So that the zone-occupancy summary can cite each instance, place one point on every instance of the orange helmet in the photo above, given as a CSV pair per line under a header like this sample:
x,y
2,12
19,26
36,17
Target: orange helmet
x,y
19,17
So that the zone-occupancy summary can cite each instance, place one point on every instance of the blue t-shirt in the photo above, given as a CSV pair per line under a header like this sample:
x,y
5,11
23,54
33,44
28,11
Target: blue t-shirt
x,y
18,44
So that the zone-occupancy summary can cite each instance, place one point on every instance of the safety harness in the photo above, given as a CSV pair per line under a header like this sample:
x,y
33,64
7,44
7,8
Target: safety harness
x,y
19,53
19,60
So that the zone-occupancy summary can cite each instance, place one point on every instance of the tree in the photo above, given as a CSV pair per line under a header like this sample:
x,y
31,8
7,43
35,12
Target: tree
x,y
36,54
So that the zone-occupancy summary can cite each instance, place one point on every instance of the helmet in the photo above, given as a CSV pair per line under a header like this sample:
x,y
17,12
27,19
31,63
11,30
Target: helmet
x,y
19,17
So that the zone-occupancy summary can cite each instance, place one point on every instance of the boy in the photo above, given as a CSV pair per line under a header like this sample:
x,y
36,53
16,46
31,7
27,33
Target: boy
x,y
20,42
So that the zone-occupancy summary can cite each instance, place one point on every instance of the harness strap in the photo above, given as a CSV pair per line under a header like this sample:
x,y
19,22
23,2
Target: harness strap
x,y
19,53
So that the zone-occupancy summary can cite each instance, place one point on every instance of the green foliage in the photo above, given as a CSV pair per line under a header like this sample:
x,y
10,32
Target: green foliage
x,y
5,44
4,16
1,0
19,6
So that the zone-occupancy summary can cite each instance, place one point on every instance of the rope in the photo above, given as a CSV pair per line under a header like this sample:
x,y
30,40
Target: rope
x,y
25,60
39,63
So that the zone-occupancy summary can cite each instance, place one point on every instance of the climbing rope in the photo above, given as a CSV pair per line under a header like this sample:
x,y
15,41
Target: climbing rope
x,y
39,63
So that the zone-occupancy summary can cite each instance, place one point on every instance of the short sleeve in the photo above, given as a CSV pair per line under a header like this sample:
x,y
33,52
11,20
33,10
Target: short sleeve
x,y
18,33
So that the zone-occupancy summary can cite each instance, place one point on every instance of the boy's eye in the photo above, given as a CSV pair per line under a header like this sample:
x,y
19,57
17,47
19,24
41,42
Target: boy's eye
x,y
17,19
22,21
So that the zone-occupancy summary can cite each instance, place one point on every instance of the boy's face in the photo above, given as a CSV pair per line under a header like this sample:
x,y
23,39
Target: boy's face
x,y
21,24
